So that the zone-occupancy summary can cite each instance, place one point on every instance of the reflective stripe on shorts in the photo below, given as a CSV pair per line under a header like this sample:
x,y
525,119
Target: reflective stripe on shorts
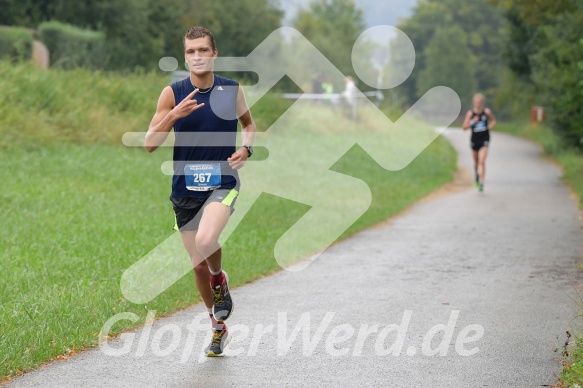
x,y
230,197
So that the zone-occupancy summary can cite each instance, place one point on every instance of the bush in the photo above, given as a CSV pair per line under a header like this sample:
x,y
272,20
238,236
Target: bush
x,y
72,47
16,43
558,74
514,97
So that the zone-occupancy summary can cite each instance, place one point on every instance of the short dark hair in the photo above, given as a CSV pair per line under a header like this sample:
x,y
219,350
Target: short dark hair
x,y
200,32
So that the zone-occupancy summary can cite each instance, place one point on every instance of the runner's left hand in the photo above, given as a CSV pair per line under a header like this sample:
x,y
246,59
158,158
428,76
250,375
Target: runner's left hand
x,y
237,160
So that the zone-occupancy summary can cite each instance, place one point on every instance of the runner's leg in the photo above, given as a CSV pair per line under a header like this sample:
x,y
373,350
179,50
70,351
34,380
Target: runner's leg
x,y
214,218
201,270
475,155
482,154
202,278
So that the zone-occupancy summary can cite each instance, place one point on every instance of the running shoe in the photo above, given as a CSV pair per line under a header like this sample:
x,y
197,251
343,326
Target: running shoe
x,y
481,187
477,180
222,302
218,343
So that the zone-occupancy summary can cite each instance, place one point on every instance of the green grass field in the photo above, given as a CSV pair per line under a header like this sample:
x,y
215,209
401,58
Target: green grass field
x,y
78,208
571,161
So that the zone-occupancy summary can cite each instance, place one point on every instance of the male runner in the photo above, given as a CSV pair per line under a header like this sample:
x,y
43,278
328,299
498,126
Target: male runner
x,y
205,184
481,121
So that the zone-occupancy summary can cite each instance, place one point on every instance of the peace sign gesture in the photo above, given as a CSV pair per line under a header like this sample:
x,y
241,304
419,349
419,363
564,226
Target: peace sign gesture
x,y
187,106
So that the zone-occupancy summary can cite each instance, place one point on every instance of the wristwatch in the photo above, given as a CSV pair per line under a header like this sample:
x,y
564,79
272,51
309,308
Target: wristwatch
x,y
249,149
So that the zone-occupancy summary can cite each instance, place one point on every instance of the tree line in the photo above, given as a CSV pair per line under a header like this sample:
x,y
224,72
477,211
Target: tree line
x,y
544,53
517,52
139,32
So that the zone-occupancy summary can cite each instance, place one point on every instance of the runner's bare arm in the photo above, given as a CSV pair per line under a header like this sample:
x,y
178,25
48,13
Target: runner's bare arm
x,y
491,118
248,128
166,115
466,124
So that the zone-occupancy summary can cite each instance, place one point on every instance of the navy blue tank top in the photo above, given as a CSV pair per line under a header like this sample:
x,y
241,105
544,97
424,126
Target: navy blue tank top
x,y
192,143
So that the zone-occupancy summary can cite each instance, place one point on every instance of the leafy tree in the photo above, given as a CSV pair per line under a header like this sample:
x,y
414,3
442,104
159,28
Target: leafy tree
x,y
420,27
139,32
238,25
550,31
538,12
524,19
16,43
332,26
520,46
557,74
24,13
30,13
449,62
482,23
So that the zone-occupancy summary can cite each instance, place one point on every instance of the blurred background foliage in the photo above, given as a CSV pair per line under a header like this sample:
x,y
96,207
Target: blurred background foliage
x,y
518,53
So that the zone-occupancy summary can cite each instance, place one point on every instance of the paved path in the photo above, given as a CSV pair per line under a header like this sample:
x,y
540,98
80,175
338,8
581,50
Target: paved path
x,y
502,261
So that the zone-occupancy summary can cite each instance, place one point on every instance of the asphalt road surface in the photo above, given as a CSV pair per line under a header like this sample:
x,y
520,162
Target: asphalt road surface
x,y
466,289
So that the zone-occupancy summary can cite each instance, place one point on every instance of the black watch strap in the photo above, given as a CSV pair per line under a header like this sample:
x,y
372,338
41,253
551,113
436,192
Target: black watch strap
x,y
249,149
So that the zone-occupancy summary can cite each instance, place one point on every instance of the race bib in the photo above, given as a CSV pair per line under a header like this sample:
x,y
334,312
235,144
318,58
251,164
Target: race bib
x,y
480,126
202,177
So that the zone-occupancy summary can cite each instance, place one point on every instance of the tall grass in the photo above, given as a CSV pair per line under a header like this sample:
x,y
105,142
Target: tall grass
x,y
37,106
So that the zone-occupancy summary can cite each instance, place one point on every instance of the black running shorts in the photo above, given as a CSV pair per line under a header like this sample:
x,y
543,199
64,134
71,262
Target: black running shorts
x,y
476,146
188,211
480,139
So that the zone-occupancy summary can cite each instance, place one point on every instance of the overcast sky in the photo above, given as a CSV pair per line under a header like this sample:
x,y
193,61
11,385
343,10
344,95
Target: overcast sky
x,y
375,11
